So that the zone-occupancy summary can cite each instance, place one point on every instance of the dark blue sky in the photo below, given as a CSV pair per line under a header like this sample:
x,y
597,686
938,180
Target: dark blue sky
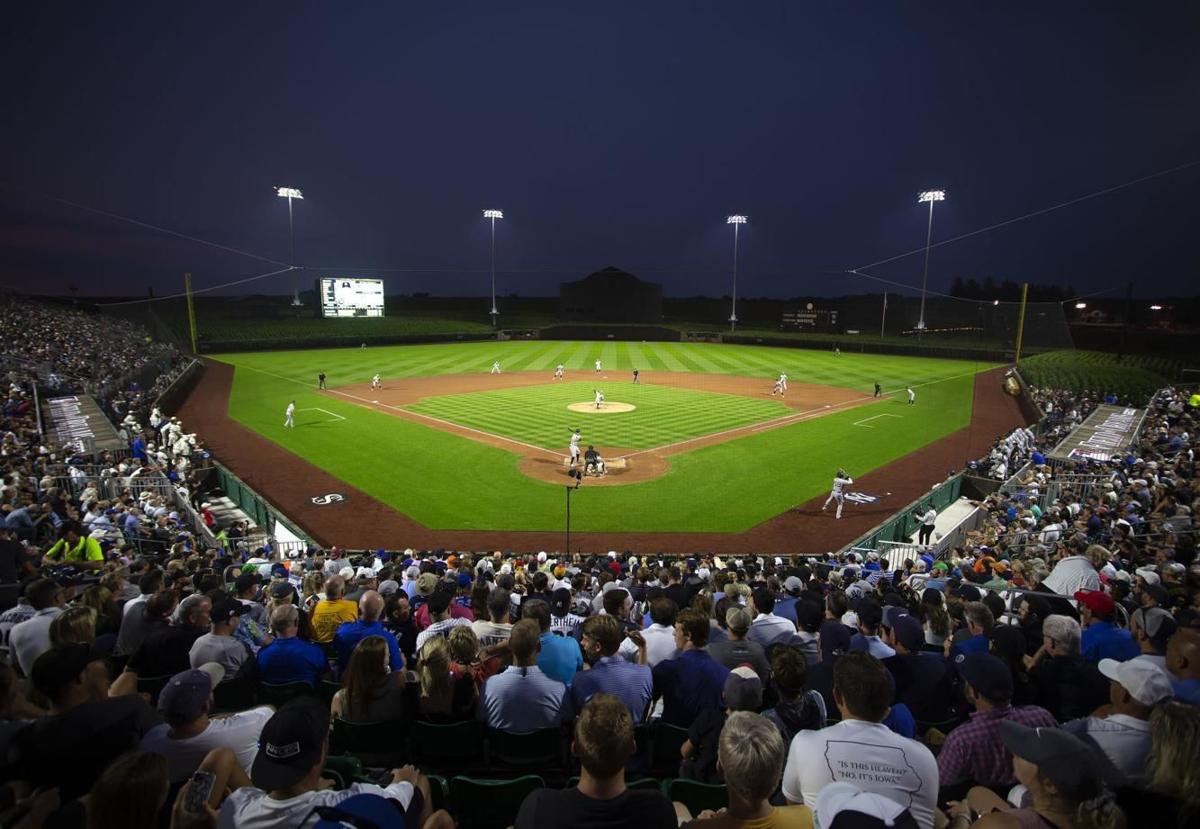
x,y
613,133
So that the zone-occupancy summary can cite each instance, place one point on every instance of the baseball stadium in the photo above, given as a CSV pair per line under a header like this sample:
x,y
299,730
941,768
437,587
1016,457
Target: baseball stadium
x,y
673,415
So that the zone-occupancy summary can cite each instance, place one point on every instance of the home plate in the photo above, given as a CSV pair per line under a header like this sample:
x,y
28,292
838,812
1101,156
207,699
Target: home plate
x,y
376,401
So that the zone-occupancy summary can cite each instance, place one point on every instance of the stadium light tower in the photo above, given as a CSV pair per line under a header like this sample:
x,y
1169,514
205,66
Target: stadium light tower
x,y
736,221
930,196
290,193
493,215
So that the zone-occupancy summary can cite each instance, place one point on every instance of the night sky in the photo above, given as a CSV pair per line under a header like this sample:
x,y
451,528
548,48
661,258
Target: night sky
x,y
609,133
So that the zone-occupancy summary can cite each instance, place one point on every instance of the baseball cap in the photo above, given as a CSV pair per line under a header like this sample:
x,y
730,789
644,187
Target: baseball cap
x,y
185,694
389,586
988,675
225,609
969,592
1070,763
908,631
560,601
279,590
843,806
426,584
1146,682
793,585
737,619
1096,601
361,810
464,580
279,570
58,666
1152,620
743,689
870,614
289,746
1148,574
245,581
1158,593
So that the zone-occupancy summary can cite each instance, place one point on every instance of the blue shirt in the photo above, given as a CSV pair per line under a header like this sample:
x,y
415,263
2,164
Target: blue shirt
x,y
976,644
291,660
1103,640
1187,690
521,700
629,682
689,684
560,658
786,608
349,634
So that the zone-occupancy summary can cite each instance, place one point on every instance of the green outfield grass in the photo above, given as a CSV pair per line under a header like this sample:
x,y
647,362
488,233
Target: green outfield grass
x,y
538,415
449,482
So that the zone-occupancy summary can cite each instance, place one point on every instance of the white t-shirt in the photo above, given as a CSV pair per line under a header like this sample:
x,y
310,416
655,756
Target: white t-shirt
x,y
1072,574
490,633
868,755
660,645
251,808
238,732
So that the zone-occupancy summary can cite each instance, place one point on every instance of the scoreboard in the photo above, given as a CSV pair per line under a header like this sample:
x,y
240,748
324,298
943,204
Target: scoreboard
x,y
345,296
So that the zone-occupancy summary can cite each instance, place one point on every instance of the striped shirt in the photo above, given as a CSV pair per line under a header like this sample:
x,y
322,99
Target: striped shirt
x,y
974,751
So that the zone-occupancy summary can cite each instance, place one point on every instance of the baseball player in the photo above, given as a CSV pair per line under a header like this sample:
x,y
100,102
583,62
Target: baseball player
x,y
778,390
878,390
635,375
840,481
912,395
597,366
558,372
321,380
290,416
376,382
496,367
783,380
599,398
573,449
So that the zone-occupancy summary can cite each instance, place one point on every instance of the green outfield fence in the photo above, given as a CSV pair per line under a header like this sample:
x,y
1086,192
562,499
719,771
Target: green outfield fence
x,y
254,505
904,523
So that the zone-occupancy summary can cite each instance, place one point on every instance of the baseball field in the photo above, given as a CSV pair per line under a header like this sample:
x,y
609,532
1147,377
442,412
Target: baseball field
x,y
698,445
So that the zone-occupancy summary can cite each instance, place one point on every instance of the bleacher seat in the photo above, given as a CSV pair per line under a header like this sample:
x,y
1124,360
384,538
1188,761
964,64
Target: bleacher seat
x,y
449,747
695,795
490,804
279,694
151,685
376,744
665,744
541,750
235,695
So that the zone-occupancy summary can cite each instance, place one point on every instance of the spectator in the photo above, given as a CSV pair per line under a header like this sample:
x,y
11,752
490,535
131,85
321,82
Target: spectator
x,y
737,649
936,620
287,777
438,606
1065,779
603,743
522,698
368,623
1152,629
843,806
1123,734
76,548
608,673
808,622
1067,686
562,621
1102,639
188,735
148,616
1074,571
75,624
743,692
167,649
1171,798
1008,645
797,709
331,611
923,679
1183,664
870,618
559,658
692,681
219,645
979,624
768,629
495,629
861,748
750,758
659,636
973,751
31,638
444,697
289,658
371,690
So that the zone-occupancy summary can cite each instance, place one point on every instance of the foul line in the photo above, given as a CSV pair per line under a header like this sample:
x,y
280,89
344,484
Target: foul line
x,y
873,417
319,409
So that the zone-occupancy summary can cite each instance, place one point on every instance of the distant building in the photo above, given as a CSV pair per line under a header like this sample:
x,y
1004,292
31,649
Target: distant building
x,y
610,295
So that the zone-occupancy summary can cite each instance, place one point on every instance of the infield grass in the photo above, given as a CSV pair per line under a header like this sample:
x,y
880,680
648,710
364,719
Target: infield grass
x,y
449,482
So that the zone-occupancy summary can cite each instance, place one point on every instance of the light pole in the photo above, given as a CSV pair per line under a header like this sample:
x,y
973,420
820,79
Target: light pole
x,y
927,196
290,193
736,221
493,215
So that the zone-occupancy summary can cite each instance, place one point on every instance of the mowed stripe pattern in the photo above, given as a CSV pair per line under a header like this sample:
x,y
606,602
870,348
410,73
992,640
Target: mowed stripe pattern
x,y
538,414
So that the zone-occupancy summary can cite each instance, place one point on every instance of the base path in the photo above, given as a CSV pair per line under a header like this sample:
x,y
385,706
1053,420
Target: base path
x,y
362,522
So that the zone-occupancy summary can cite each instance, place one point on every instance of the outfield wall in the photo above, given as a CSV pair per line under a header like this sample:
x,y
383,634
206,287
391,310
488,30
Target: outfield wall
x,y
234,346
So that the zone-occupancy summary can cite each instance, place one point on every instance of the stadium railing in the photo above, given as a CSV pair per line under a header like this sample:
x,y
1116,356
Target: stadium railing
x,y
259,510
903,523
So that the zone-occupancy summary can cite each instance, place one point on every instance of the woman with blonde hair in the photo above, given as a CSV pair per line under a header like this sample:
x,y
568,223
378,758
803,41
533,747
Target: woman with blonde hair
x,y
444,697
74,625
467,658
1171,799
100,599
370,691
314,588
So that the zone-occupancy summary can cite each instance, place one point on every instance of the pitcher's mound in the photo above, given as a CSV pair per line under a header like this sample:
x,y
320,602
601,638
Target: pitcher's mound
x,y
605,408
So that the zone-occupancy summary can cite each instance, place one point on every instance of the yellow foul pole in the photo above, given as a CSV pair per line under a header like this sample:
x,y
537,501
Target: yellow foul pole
x,y
187,289
1021,321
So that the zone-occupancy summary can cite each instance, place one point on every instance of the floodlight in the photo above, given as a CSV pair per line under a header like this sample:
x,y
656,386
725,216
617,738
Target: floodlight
x,y
931,195
288,193
1079,306
735,220
493,214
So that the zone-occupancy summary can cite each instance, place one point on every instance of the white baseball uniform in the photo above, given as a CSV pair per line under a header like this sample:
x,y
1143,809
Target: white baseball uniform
x,y
558,372
574,447
496,367
835,494
912,395
783,380
290,415
597,366
376,382
778,388
599,398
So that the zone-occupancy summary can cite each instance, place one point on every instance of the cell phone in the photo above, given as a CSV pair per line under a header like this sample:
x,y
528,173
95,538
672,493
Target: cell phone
x,y
199,791
385,779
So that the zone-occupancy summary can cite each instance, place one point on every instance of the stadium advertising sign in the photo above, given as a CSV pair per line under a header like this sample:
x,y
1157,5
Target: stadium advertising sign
x,y
345,296
1108,431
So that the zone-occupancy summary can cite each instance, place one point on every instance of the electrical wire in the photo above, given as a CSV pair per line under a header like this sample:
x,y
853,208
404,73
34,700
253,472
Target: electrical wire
x,y
858,272
200,290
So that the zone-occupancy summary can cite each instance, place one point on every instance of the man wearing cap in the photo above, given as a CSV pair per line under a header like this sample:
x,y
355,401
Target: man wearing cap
x,y
923,679
743,692
630,682
427,585
562,621
439,607
332,611
219,645
522,697
659,637
1135,688
737,649
1101,639
85,730
785,605
368,623
246,588
188,734
973,751
860,748
288,787
1152,629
